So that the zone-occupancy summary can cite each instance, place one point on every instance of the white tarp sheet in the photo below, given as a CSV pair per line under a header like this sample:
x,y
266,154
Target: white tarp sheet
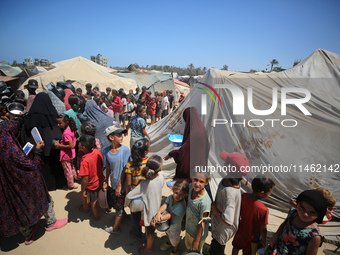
x,y
311,148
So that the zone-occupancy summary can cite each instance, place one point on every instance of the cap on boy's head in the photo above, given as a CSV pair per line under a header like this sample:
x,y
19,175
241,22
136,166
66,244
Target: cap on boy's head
x,y
236,159
144,87
316,200
114,129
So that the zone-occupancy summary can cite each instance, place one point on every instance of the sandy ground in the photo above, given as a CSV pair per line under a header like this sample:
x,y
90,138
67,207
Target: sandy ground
x,y
84,236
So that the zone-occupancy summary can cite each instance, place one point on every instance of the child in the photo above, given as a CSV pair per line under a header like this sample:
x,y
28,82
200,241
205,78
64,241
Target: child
x,y
91,171
87,128
152,110
197,214
138,125
175,207
129,108
133,176
150,190
103,105
330,199
254,216
225,211
67,148
299,233
3,112
116,104
158,108
116,157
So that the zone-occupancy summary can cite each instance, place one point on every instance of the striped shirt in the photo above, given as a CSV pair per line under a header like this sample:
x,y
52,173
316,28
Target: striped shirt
x,y
136,174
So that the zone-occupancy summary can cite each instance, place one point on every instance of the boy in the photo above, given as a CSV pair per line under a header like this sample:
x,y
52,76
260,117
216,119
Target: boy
x,y
225,211
197,215
91,171
116,157
254,216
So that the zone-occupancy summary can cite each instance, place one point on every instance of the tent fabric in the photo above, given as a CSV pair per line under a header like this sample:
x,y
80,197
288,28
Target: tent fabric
x,y
147,80
81,71
39,70
315,139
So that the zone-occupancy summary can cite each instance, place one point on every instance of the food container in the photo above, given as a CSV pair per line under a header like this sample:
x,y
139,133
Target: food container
x,y
164,225
176,140
15,110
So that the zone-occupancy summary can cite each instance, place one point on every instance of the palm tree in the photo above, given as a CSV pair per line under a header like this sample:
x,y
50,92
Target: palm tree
x,y
274,62
191,66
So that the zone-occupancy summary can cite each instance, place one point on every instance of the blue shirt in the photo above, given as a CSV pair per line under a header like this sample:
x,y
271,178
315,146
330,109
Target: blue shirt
x,y
117,162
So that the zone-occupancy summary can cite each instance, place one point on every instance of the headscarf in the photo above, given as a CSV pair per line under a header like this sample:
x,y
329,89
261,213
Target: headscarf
x,y
316,200
42,115
24,197
100,119
57,103
195,146
30,101
68,93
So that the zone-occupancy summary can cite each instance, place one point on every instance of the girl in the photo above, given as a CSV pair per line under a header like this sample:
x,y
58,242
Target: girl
x,y
150,190
299,233
129,108
67,150
3,113
138,125
153,110
133,176
175,207
158,108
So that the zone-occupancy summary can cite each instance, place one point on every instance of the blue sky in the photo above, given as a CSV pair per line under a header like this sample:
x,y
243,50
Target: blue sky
x,y
241,34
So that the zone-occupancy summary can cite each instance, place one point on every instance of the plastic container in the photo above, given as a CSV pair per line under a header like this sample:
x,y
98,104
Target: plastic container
x,y
176,140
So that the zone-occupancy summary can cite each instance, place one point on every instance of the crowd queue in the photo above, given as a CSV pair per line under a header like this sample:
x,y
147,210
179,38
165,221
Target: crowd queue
x,y
81,142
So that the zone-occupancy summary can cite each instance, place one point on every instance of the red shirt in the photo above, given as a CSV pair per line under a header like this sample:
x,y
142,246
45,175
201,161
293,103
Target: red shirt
x,y
152,111
91,165
117,104
253,214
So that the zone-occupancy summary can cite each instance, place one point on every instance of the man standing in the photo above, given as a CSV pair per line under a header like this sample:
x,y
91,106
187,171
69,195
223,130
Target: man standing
x,y
30,88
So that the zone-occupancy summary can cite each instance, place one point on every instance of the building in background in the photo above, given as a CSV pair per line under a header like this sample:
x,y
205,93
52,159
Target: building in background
x,y
41,62
99,59
28,62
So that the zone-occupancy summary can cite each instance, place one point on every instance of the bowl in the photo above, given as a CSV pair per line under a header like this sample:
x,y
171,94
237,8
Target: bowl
x,y
164,225
176,140
16,108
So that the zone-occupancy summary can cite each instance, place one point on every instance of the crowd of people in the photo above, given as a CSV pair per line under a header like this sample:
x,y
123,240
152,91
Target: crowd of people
x,y
81,141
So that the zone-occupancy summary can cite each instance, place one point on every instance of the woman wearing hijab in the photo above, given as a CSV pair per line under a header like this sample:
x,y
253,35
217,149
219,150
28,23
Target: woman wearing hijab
x,y
23,193
68,93
56,102
43,116
100,119
195,146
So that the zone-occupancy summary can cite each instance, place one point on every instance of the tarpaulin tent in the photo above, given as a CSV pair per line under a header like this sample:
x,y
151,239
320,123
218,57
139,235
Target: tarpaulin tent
x,y
307,147
81,71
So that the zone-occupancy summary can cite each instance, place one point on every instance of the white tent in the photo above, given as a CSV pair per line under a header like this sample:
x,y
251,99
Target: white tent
x,y
81,71
309,152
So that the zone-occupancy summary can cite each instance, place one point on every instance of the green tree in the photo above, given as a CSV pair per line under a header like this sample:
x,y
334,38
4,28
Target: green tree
x,y
278,69
274,62
204,69
15,63
225,67
252,71
191,66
